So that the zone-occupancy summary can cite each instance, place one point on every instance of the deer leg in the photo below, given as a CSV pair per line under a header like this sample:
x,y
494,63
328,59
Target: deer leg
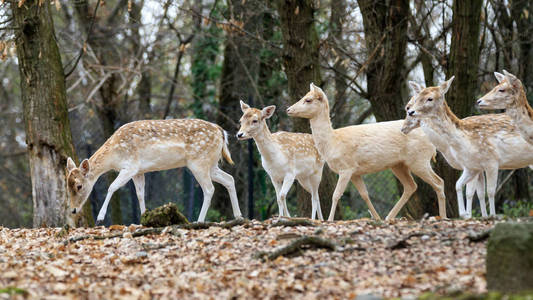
x,y
123,177
277,187
342,182
287,183
315,182
203,177
492,182
409,187
227,181
308,186
138,181
466,177
426,173
361,188
480,190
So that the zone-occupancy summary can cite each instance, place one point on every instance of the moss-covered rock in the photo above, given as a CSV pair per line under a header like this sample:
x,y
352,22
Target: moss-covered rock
x,y
165,215
510,257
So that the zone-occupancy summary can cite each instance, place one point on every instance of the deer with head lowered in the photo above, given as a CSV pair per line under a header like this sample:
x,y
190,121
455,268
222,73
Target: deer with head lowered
x,y
510,95
362,149
477,144
154,145
285,156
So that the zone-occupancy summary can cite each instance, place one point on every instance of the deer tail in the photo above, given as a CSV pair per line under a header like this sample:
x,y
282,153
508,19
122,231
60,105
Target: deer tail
x,y
225,151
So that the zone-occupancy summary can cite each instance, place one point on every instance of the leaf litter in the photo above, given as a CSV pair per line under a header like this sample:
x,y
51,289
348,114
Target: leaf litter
x,y
391,259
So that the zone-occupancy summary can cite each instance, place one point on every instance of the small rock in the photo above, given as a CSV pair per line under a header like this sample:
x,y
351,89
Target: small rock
x,y
424,237
141,254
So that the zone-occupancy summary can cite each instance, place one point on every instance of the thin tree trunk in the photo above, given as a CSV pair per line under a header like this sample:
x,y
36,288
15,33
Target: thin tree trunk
x,y
240,72
45,111
302,67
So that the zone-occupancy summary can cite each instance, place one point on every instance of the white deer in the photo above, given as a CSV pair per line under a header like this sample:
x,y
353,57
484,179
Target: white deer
x,y
357,150
510,95
285,156
154,145
483,143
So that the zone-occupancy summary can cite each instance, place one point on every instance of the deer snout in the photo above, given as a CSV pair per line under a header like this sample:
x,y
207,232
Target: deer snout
x,y
479,102
411,112
289,110
74,211
240,135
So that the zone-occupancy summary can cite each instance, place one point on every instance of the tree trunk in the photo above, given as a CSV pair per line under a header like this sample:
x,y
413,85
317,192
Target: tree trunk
x,y
338,10
463,62
240,71
301,61
48,136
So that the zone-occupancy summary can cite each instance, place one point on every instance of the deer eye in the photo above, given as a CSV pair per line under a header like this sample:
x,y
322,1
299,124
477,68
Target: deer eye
x,y
308,100
254,121
501,91
430,99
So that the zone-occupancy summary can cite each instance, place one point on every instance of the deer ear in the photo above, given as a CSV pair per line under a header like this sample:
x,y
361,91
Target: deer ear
x,y
268,111
70,164
415,87
312,86
511,79
319,91
445,86
244,106
499,76
84,166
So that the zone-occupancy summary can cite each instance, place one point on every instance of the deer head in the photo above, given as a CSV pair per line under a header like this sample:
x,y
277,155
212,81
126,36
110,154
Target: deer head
x,y
311,105
504,95
79,184
426,102
410,123
253,120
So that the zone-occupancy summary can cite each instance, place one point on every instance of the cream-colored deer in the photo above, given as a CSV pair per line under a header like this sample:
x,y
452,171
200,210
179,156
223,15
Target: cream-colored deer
x,y
483,143
285,156
510,95
154,145
357,150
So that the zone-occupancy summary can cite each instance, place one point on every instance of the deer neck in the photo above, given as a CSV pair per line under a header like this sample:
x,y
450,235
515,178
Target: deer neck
x,y
322,132
99,163
446,128
520,110
265,143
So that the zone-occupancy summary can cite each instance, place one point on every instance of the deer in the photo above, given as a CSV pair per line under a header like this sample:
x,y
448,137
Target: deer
x,y
285,156
368,148
484,143
154,145
510,95
477,185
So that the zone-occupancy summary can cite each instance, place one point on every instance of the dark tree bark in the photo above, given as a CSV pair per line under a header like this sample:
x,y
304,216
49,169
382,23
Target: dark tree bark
x,y
338,11
301,61
463,62
48,136
385,28
240,72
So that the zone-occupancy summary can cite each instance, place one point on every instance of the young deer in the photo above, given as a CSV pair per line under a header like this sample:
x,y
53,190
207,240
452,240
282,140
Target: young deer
x,y
483,143
285,156
510,95
357,150
154,145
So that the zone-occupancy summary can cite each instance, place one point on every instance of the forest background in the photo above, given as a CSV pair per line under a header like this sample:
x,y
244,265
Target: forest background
x,y
126,60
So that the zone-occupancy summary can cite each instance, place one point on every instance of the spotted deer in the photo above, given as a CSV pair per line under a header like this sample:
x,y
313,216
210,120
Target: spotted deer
x,y
483,143
362,149
477,185
510,95
153,145
285,156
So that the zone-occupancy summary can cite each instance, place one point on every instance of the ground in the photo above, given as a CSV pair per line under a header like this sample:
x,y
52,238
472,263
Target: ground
x,y
392,259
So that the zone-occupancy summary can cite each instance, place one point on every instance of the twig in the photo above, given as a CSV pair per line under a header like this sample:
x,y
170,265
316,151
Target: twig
x,y
297,247
293,222
402,243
